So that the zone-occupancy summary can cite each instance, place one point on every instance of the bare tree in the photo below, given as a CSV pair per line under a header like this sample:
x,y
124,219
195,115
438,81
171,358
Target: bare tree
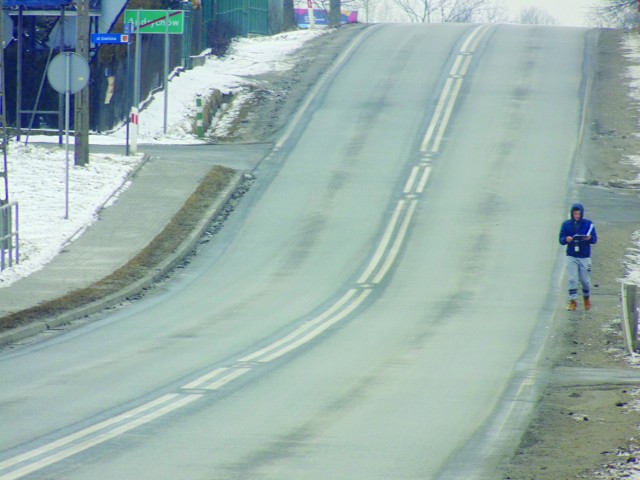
x,y
616,14
536,16
460,11
418,11
383,11
345,4
494,12
436,11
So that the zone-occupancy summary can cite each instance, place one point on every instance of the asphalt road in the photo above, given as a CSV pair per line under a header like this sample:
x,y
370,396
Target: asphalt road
x,y
376,307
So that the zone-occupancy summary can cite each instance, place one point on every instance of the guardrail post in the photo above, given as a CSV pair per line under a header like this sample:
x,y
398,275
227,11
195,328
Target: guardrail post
x,y
9,235
630,316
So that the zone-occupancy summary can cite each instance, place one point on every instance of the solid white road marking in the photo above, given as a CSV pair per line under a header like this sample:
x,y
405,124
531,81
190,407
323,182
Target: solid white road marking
x,y
465,45
87,431
477,40
384,242
447,115
412,178
456,65
465,65
198,382
436,115
230,377
395,249
423,181
176,401
303,328
320,329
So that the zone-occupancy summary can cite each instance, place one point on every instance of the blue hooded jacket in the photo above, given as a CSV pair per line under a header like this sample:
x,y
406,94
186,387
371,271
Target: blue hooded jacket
x,y
579,248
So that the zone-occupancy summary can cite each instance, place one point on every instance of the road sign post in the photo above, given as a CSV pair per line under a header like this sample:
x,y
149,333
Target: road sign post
x,y
166,72
68,73
136,89
166,22
128,29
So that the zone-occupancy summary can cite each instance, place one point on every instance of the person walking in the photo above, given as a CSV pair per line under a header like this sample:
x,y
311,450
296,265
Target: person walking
x,y
578,234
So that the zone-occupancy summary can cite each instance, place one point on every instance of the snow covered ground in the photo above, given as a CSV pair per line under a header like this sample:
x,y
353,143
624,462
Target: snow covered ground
x,y
37,173
631,47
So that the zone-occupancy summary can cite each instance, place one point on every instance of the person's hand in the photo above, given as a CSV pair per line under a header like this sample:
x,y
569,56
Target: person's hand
x,y
569,239
587,238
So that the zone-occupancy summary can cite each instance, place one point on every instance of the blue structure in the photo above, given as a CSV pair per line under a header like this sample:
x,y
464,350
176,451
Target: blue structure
x,y
36,3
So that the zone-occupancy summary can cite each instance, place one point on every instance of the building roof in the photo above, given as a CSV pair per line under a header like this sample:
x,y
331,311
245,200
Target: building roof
x,y
35,3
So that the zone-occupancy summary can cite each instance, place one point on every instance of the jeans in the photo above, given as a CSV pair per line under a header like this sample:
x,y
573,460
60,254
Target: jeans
x,y
578,269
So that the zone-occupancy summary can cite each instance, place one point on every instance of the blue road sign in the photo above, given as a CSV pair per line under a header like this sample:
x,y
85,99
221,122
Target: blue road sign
x,y
100,38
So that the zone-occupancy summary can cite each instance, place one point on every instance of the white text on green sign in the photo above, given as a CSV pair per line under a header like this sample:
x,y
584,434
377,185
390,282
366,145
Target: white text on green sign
x,y
154,21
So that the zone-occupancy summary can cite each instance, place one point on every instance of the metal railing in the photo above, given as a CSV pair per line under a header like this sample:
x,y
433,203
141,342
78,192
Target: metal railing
x,y
628,294
9,235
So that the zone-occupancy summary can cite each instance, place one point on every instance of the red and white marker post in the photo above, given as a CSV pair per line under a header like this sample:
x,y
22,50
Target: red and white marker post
x,y
133,144
312,21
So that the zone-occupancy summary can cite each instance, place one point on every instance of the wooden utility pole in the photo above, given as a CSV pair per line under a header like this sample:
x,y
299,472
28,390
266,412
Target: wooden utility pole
x,y
81,99
334,13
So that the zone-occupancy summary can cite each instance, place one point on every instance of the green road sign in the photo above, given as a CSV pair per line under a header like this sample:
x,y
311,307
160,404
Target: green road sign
x,y
153,21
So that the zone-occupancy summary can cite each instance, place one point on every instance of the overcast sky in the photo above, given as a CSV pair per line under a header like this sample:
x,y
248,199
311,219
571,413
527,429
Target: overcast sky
x,y
566,12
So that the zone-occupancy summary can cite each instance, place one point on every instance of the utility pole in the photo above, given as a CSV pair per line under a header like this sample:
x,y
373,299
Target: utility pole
x,y
4,175
334,13
289,15
81,99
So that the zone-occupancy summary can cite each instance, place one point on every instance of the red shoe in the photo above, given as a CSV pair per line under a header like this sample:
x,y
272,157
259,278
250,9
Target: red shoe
x,y
587,303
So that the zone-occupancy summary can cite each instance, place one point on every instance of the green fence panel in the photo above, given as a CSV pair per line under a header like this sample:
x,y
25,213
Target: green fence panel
x,y
246,17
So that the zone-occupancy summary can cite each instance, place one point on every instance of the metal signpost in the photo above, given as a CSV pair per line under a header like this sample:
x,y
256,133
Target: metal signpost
x,y
166,22
116,39
68,73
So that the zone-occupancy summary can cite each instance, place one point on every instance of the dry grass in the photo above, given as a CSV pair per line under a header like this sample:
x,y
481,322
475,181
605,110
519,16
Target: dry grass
x,y
166,243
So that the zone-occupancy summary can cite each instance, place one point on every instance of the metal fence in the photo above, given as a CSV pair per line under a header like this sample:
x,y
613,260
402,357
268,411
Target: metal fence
x,y
9,235
246,17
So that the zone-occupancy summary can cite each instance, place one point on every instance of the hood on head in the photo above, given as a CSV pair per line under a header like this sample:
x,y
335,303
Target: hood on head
x,y
574,207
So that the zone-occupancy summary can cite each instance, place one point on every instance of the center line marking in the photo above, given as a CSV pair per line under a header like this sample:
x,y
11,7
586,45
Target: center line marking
x,y
233,375
395,249
303,328
382,246
320,329
423,180
412,178
436,115
175,402
447,114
